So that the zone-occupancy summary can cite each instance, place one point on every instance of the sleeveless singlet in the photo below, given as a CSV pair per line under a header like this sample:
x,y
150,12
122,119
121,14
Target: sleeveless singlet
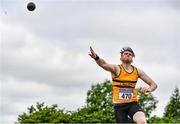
x,y
124,86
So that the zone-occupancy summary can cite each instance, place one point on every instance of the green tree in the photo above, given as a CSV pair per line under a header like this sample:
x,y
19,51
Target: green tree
x,y
98,108
44,114
100,95
92,115
147,102
172,110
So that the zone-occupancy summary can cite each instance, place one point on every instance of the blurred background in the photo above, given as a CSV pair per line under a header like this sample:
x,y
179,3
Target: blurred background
x,y
44,53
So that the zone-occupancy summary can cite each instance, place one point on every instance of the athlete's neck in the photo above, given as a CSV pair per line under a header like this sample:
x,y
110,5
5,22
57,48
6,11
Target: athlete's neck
x,y
126,66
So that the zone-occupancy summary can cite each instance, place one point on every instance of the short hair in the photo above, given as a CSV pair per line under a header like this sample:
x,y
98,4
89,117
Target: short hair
x,y
127,49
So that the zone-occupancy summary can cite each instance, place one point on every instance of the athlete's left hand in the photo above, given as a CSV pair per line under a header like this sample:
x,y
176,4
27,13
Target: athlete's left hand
x,y
145,90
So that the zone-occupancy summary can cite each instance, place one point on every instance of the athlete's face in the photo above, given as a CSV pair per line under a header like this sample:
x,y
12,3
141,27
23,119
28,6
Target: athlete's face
x,y
127,57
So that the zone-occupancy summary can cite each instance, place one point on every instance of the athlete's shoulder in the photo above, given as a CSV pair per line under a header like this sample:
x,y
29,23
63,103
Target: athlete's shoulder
x,y
117,70
134,66
117,67
140,72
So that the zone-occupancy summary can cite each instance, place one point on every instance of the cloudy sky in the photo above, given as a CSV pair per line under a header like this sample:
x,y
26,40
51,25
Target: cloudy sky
x,y
44,53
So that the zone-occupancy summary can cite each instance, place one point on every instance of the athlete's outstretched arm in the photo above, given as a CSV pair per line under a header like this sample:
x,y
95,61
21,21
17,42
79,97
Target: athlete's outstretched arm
x,y
148,80
101,62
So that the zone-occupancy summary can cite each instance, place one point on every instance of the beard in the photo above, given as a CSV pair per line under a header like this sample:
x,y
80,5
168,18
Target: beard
x,y
127,61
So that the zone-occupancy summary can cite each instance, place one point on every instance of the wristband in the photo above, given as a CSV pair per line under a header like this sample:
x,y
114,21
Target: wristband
x,y
97,57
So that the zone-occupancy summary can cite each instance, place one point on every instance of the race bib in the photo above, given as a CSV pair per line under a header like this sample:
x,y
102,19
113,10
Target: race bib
x,y
125,94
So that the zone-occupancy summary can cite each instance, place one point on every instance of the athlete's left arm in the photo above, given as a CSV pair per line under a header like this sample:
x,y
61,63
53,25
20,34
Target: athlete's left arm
x,y
148,80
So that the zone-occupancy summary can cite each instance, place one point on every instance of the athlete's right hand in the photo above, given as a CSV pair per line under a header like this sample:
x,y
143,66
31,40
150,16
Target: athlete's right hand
x,y
92,54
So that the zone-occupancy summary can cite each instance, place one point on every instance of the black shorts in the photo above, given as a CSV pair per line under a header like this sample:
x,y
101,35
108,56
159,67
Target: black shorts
x,y
122,111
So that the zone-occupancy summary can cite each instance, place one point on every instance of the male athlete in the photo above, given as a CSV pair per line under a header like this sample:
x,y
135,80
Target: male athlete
x,y
124,78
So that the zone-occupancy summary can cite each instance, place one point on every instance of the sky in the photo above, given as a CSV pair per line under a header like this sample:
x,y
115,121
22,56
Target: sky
x,y
44,53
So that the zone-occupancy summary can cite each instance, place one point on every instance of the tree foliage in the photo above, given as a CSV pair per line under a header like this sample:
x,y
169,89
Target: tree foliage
x,y
92,115
172,109
100,95
44,114
148,103
98,108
